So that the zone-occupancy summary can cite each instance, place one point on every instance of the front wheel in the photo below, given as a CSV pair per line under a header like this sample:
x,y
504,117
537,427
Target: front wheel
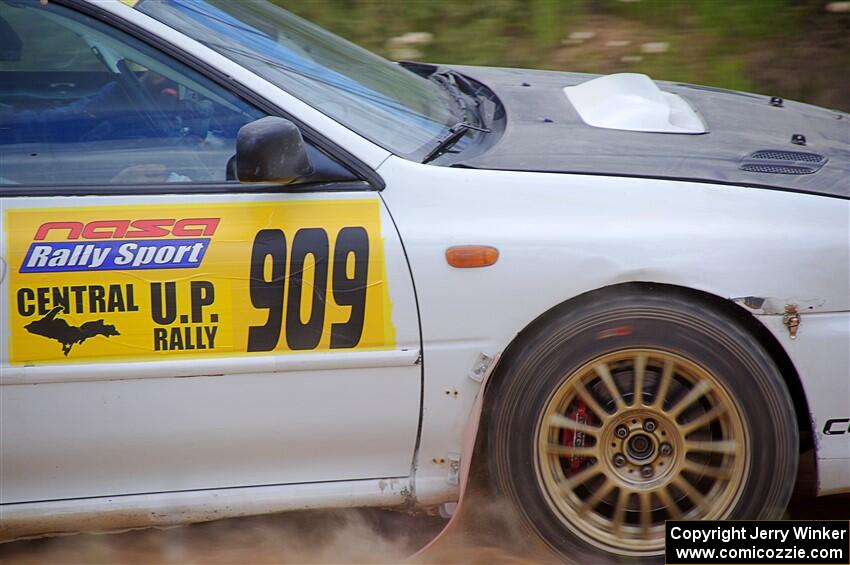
x,y
619,415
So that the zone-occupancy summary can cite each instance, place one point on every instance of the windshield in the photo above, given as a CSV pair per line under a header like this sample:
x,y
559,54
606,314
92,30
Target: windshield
x,y
380,100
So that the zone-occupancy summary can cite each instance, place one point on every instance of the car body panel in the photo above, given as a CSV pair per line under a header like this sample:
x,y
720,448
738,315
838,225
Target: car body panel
x,y
192,418
822,359
591,232
546,134
175,508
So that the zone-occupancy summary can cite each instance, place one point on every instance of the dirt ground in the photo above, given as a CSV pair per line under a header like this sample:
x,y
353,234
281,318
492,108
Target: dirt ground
x,y
483,535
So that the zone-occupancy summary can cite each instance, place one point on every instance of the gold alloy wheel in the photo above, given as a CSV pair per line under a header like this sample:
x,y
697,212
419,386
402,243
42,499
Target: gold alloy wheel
x,y
637,437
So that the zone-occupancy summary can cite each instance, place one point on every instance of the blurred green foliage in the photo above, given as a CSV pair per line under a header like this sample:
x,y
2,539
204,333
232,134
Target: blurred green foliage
x,y
760,45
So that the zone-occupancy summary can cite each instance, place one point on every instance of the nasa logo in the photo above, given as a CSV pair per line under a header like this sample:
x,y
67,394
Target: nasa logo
x,y
130,229
120,245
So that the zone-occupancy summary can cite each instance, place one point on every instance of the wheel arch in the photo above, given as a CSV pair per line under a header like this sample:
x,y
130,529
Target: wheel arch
x,y
746,319
474,472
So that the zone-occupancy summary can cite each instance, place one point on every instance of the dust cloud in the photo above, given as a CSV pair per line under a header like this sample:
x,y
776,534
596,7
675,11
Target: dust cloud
x,y
344,536
485,532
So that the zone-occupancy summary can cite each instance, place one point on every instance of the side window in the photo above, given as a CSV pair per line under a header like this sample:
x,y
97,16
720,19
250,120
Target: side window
x,y
83,103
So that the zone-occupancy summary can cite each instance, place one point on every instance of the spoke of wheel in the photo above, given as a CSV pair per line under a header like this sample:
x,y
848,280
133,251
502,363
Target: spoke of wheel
x,y
697,423
571,482
620,509
561,421
718,473
588,399
726,447
605,374
664,384
645,512
668,503
640,371
594,499
570,451
692,493
693,395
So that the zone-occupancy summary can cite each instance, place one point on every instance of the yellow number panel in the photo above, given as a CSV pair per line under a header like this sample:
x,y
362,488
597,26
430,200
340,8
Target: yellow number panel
x,y
163,282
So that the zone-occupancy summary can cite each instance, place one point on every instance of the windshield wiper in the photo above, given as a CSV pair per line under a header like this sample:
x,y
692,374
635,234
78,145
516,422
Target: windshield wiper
x,y
451,137
461,91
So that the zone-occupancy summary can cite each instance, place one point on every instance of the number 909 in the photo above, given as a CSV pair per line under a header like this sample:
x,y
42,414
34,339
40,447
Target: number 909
x,y
347,286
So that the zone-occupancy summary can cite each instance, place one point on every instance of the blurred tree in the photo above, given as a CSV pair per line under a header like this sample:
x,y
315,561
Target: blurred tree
x,y
792,48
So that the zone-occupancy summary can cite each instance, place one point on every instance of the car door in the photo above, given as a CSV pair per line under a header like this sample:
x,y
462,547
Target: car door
x,y
165,328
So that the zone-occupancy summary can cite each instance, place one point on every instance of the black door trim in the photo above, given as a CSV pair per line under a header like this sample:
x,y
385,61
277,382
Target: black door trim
x,y
37,191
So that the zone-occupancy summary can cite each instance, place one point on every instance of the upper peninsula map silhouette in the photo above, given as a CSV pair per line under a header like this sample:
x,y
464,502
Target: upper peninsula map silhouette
x,y
52,327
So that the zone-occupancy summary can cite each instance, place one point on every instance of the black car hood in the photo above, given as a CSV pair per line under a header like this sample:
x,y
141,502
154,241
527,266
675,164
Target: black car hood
x,y
544,133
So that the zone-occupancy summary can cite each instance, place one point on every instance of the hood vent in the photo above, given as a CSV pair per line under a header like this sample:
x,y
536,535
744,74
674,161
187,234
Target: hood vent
x,y
781,162
632,102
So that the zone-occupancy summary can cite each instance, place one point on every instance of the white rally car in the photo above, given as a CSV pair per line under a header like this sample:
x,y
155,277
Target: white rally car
x,y
249,267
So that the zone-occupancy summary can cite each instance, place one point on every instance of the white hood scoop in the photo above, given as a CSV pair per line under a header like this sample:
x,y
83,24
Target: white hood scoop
x,y
633,102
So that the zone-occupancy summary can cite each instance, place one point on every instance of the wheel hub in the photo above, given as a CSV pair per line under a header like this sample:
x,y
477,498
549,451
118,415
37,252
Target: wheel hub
x,y
635,454
661,440
640,447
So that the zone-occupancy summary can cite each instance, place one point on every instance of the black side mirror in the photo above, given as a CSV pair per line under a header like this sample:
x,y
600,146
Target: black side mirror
x,y
271,149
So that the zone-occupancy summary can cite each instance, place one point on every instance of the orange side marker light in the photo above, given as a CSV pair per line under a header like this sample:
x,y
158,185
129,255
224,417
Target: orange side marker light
x,y
471,256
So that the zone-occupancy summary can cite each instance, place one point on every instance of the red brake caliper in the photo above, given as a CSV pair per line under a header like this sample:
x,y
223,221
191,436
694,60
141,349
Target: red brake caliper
x,y
577,439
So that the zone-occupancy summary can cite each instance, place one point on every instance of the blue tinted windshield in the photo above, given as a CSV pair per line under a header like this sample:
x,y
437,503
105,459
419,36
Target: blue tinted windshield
x,y
382,101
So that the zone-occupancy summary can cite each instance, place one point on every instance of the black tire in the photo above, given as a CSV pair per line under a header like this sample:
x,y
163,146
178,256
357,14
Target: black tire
x,y
625,319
